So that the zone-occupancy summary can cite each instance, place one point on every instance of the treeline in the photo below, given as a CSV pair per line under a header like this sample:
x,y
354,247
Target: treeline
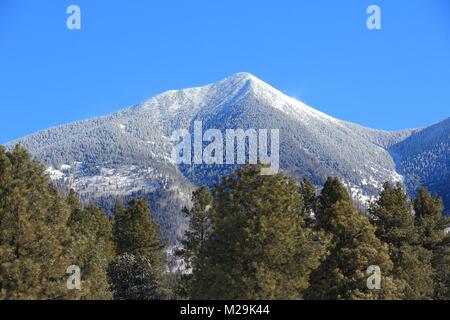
x,y
265,237
43,233
250,237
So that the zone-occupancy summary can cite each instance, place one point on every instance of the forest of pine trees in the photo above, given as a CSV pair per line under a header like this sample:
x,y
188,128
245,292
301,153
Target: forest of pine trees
x,y
250,237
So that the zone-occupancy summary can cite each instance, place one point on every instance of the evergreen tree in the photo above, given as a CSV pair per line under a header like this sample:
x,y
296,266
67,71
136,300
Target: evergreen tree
x,y
354,248
92,232
137,241
394,221
431,225
429,220
36,246
257,248
441,263
332,192
135,278
308,193
393,218
196,237
413,264
135,233
76,210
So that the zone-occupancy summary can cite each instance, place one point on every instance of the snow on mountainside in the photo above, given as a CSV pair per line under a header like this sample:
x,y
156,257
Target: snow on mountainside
x,y
424,159
128,153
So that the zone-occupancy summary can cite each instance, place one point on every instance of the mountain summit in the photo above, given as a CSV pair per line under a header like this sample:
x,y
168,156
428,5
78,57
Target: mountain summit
x,y
128,153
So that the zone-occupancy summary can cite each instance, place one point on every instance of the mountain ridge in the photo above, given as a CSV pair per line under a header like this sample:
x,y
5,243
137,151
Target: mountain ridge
x,y
128,152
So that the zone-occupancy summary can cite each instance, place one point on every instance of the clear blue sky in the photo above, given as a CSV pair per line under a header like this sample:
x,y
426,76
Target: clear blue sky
x,y
318,51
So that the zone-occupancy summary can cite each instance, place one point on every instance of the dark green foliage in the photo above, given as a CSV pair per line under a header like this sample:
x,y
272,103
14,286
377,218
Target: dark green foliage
x,y
431,224
42,234
257,248
199,226
250,237
354,248
136,234
308,194
333,191
36,245
95,248
441,263
393,217
138,272
194,245
135,278
429,220
412,264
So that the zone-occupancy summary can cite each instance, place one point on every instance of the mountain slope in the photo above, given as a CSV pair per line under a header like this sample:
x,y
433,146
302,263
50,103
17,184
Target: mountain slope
x,y
128,153
424,160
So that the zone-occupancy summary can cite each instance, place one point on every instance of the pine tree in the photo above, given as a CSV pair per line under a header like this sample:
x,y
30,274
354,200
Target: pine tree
x,y
431,225
92,232
76,210
36,246
441,263
354,248
135,233
429,220
257,248
393,216
135,278
196,237
308,193
394,221
333,191
137,239
199,226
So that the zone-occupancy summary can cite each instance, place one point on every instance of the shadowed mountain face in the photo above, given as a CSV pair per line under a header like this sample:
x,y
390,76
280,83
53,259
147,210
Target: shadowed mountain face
x,y
424,160
129,153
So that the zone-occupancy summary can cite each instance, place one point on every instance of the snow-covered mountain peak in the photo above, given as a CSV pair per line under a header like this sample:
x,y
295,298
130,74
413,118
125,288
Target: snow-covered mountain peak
x,y
129,152
239,86
242,76
247,84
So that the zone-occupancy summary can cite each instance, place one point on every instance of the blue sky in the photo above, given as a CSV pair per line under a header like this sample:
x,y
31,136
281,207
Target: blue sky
x,y
318,51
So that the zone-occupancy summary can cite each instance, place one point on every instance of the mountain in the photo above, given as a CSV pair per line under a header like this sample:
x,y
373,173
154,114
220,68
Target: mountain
x,y
424,160
129,153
